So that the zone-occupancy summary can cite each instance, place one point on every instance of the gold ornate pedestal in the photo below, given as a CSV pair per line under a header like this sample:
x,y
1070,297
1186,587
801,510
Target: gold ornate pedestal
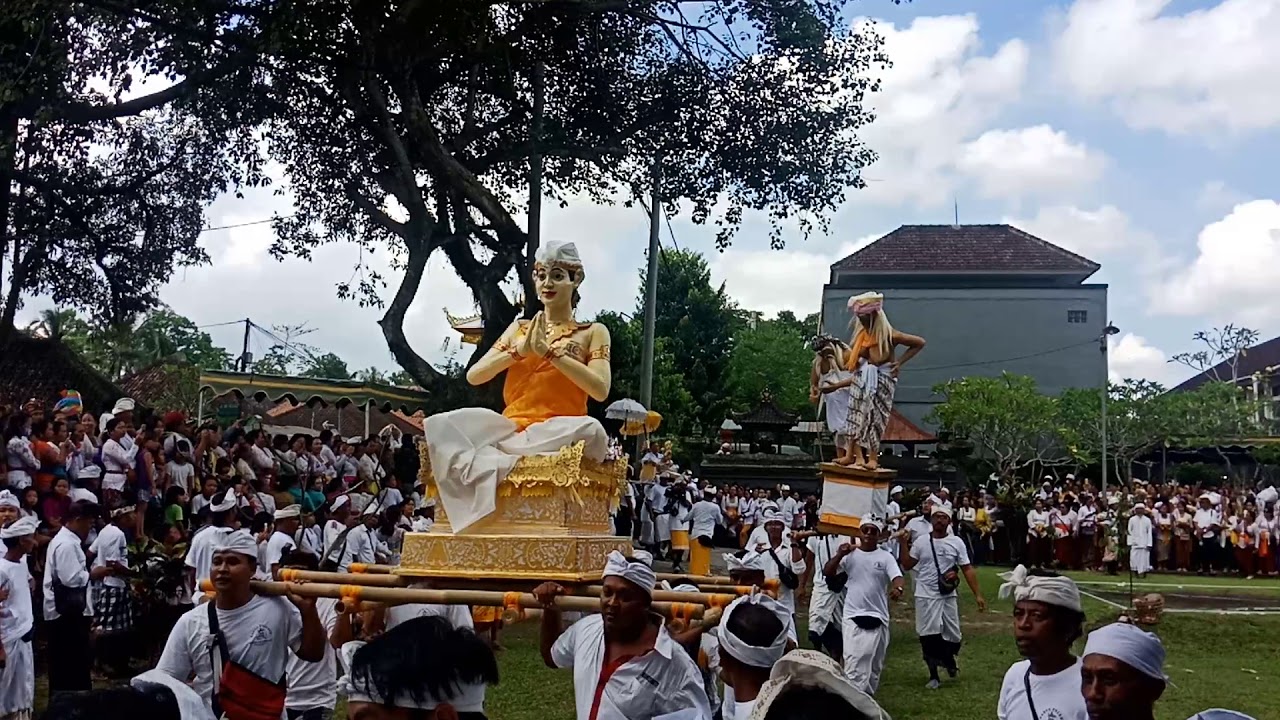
x,y
551,522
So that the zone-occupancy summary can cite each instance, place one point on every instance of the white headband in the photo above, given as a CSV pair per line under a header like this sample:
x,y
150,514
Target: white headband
x,y
772,515
643,556
940,510
289,511
753,655
240,542
751,561
338,502
638,573
1130,645
228,503
20,528
812,669
122,510
8,499
1022,585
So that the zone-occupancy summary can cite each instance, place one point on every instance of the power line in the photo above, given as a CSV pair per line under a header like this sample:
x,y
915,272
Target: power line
x,y
221,324
1008,359
246,224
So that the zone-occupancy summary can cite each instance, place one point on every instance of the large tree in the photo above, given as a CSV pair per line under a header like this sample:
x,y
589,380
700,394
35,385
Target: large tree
x,y
418,128
772,355
1139,419
102,190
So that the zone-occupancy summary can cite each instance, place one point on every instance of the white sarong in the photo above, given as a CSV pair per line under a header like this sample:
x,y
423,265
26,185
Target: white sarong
x,y
824,607
864,653
18,678
938,616
473,449
1140,560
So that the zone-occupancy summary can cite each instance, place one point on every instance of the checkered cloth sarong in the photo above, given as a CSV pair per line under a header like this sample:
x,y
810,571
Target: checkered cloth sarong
x,y
112,609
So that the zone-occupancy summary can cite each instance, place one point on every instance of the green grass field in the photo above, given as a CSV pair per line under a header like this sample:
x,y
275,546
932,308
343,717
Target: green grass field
x,y
1214,661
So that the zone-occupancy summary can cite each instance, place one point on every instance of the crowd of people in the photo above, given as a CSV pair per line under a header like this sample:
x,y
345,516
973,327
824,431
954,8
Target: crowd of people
x,y
131,542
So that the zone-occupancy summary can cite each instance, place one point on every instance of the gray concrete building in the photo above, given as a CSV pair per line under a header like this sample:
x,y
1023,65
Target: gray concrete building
x,y
986,298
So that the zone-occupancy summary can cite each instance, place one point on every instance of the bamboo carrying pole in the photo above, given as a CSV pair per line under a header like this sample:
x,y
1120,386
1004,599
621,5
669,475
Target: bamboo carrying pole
x,y
395,581
401,596
365,568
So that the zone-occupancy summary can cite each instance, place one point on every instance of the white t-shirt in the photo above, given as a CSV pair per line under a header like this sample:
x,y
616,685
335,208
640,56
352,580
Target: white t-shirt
x,y
18,617
866,594
111,546
1056,697
458,616
183,475
200,553
260,635
315,684
656,683
951,554
277,545
704,516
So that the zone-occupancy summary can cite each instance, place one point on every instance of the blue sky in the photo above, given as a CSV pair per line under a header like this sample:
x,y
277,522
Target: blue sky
x,y
1140,133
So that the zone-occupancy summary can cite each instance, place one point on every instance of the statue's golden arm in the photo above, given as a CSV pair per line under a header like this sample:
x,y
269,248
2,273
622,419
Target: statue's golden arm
x,y
498,358
595,377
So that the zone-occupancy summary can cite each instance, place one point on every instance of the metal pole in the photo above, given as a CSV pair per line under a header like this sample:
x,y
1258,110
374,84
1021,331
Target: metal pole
x,y
244,353
535,189
650,306
1106,389
650,294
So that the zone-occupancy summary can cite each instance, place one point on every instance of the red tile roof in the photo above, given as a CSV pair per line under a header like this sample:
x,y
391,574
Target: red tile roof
x,y
901,430
965,248
352,418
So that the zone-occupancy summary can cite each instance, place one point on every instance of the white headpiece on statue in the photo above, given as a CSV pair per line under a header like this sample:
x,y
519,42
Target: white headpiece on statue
x,y
564,254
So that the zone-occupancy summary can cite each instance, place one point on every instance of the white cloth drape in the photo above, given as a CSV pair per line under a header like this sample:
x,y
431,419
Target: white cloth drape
x,y
473,449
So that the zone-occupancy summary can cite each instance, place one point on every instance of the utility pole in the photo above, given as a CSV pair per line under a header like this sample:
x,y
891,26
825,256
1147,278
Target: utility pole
x,y
535,188
651,292
1107,332
244,352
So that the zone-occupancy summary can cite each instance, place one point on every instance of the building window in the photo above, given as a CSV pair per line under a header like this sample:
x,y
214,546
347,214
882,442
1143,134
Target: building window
x,y
1078,316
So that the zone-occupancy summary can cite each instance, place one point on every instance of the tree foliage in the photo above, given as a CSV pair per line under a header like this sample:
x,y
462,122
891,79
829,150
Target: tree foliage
x,y
102,196
1006,418
414,128
1226,346
1140,417
772,355
117,349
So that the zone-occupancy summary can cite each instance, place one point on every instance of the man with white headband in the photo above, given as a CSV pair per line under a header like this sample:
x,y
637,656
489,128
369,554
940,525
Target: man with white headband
x,y
407,669
783,561
362,543
625,664
752,637
872,577
1122,673
336,531
939,558
222,520
827,596
1047,620
250,636
9,507
68,612
281,542
17,623
704,517
112,600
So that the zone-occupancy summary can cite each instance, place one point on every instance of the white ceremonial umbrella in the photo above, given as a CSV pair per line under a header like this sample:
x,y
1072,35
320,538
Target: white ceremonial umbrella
x,y
627,410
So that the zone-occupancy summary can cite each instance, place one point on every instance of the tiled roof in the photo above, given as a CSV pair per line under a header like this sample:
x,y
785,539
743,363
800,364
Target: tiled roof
x,y
352,418
964,248
42,368
901,430
1256,359
766,413
165,385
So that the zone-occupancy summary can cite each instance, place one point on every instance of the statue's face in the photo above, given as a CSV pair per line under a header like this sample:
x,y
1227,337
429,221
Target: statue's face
x,y
555,284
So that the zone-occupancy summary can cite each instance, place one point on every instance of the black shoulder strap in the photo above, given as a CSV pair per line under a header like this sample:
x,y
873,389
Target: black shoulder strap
x,y
1031,703
215,667
341,540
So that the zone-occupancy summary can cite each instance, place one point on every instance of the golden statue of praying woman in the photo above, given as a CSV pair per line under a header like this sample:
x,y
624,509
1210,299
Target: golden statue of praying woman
x,y
553,364
873,360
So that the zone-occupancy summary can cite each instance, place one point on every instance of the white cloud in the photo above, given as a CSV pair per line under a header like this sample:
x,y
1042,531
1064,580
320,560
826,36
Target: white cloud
x,y
769,280
1133,357
1218,196
1233,276
940,92
1105,230
1035,160
1204,70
